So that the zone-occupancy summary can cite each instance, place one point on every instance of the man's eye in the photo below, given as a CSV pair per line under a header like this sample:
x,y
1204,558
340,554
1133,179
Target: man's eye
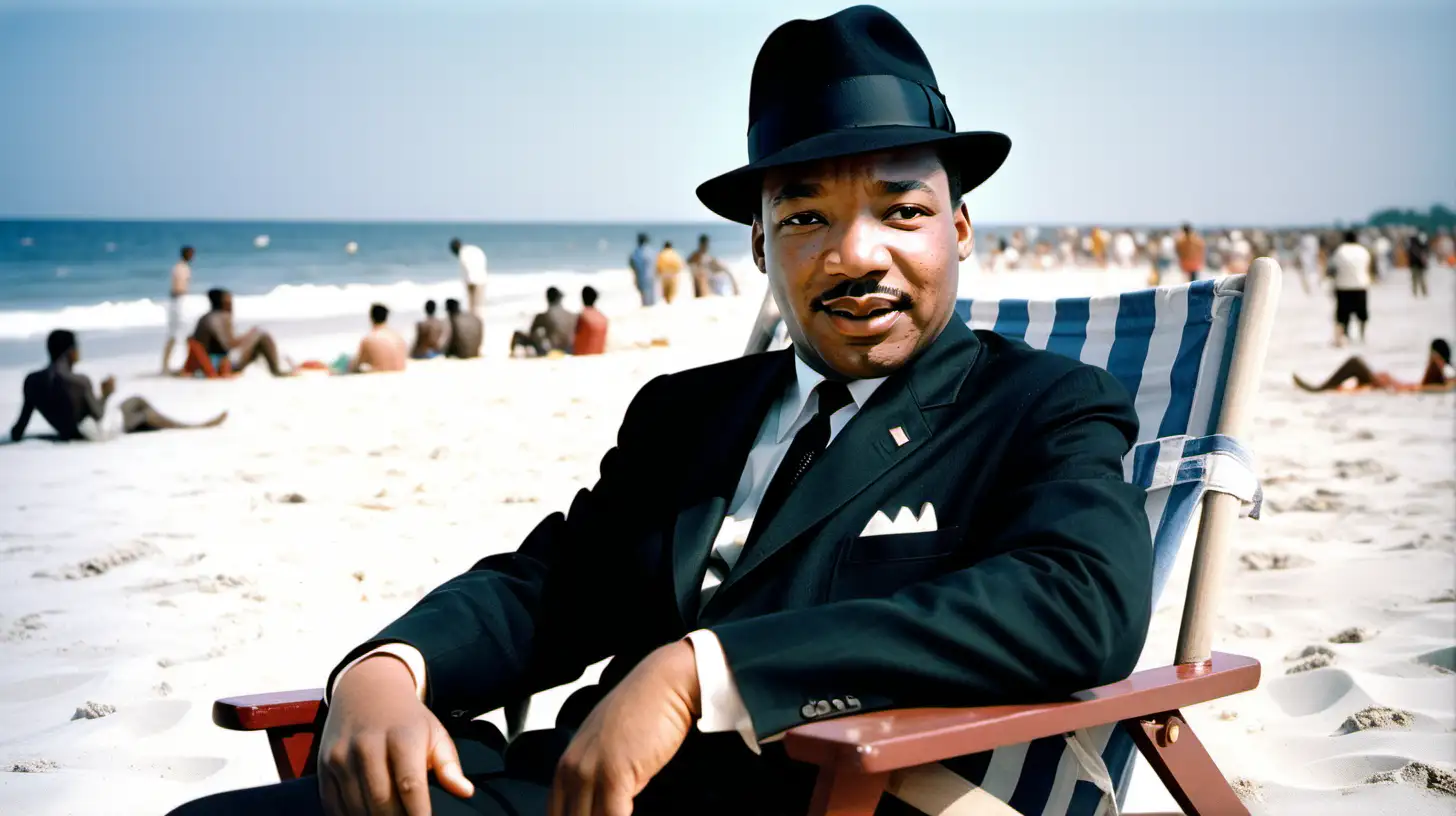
x,y
803,219
906,211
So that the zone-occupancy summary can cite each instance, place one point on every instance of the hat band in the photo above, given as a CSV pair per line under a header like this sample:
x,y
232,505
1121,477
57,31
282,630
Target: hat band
x,y
876,100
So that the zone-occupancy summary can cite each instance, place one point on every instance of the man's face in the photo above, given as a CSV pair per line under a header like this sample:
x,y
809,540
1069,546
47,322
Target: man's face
x,y
862,255
227,302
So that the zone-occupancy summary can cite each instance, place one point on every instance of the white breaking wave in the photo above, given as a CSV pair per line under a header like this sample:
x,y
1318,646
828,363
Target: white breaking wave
x,y
298,302
313,301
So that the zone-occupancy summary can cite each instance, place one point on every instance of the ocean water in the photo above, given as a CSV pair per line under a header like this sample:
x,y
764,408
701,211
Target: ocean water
x,y
113,275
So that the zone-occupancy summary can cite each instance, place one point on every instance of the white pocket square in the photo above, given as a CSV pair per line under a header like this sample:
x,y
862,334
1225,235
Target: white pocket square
x,y
905,522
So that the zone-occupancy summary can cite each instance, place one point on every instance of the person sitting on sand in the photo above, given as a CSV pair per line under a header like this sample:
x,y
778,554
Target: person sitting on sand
x,y
466,331
214,333
430,335
550,330
65,399
382,349
591,326
1355,375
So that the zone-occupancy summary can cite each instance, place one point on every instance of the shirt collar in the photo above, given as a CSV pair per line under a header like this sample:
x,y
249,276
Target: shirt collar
x,y
797,400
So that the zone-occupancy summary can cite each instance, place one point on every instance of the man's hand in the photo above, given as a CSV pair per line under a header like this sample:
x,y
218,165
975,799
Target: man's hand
x,y
629,736
108,387
379,744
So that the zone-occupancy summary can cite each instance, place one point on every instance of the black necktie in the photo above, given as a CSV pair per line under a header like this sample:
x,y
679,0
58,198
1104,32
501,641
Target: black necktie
x,y
808,445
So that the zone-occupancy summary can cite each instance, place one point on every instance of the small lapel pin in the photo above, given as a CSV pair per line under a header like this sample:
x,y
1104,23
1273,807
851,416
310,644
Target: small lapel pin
x,y
898,434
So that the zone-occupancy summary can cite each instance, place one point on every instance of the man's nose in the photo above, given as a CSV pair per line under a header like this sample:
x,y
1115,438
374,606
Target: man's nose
x,y
858,249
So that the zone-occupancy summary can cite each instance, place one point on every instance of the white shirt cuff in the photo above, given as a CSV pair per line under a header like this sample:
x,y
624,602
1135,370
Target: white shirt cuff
x,y
407,654
723,708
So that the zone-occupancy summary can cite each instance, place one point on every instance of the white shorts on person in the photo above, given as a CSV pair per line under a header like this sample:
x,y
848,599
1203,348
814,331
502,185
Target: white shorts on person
x,y
175,328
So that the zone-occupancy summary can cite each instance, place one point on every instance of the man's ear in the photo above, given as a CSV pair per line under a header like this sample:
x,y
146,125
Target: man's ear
x,y
965,233
757,242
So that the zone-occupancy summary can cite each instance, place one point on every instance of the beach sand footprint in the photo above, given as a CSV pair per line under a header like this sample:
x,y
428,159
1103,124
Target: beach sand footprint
x,y
1261,561
1417,774
135,721
33,689
101,564
1376,717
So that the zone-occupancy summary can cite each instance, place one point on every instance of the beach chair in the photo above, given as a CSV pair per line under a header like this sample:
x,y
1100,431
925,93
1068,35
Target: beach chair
x,y
1191,356
200,362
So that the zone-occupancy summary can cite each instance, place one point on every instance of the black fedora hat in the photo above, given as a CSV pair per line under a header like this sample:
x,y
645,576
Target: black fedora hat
x,y
854,82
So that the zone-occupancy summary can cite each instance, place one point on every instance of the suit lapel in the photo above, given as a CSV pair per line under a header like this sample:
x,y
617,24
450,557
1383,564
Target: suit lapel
x,y
864,451
730,435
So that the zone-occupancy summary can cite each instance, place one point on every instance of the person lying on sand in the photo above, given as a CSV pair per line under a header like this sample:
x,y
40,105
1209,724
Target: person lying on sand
x,y
1355,375
382,349
215,333
430,335
65,399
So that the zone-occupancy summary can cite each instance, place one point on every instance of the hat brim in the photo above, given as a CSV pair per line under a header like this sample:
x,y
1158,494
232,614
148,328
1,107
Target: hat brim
x,y
736,195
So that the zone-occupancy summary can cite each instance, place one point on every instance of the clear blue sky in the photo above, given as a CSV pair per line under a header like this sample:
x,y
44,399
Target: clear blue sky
x,y
1148,112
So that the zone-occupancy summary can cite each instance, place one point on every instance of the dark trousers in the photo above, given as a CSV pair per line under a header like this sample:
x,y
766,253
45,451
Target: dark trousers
x,y
703,780
508,782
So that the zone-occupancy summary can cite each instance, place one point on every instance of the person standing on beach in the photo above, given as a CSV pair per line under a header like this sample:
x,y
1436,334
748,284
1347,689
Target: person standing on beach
x,y
382,349
1192,253
1418,251
65,399
181,279
214,333
644,269
472,270
1350,267
466,332
669,268
430,335
591,326
701,264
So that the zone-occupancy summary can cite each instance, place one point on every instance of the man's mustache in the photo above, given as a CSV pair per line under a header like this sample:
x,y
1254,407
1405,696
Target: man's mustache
x,y
861,288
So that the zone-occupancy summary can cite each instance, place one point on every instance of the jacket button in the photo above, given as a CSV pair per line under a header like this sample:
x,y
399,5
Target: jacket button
x,y
821,707
808,711
838,704
852,702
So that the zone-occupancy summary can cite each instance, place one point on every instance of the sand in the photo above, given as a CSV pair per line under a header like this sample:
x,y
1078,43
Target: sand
x,y
149,575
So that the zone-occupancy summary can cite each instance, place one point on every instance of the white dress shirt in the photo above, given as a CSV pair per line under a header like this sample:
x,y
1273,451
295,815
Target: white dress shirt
x,y
722,705
472,264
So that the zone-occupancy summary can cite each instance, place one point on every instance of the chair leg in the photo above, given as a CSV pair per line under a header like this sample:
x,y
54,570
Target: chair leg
x,y
1171,747
839,791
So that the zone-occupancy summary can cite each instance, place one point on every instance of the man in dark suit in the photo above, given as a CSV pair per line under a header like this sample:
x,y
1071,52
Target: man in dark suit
x,y
896,512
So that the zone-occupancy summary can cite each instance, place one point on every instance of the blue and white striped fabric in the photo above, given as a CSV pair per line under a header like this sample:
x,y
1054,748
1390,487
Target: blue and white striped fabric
x,y
1170,348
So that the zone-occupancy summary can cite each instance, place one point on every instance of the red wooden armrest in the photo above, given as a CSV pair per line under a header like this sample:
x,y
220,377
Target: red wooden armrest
x,y
259,712
889,740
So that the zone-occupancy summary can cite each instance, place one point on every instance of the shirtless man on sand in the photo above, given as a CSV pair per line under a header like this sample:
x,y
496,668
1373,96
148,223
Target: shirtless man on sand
x,y
430,335
382,349
215,332
65,399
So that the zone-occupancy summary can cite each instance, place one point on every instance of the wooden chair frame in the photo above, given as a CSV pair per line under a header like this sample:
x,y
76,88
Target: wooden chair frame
x,y
857,754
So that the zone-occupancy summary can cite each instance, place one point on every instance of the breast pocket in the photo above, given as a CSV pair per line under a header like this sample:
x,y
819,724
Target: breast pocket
x,y
876,566
903,546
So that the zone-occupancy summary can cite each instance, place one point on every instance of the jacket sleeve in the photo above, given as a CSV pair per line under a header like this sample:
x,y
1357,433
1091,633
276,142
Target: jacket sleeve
x,y
1058,600
514,623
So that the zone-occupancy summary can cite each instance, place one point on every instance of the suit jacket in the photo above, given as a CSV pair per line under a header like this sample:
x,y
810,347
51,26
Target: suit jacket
x,y
1036,584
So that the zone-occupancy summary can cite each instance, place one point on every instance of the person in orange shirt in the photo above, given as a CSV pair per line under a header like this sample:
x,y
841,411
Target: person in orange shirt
x,y
1192,252
669,267
591,325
